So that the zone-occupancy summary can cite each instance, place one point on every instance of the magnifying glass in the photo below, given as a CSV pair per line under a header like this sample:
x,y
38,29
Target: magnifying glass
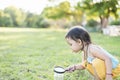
x,y
58,73
59,69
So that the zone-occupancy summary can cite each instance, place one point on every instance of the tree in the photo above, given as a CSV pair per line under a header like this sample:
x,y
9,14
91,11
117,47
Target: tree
x,y
17,15
64,11
103,9
59,11
5,19
36,21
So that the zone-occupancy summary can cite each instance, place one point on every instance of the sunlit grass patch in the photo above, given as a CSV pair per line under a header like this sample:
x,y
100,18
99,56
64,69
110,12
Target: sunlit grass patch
x,y
32,53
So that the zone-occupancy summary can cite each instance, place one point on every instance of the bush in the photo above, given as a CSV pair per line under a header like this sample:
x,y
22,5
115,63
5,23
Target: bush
x,y
116,22
42,23
92,23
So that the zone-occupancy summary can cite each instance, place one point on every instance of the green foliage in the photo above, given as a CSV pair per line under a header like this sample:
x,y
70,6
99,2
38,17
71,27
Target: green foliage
x,y
12,16
5,19
31,20
103,8
116,22
92,23
16,15
59,11
31,54
64,11
42,23
36,21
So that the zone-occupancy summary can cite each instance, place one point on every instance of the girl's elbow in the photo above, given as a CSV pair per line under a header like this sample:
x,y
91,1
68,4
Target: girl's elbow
x,y
108,59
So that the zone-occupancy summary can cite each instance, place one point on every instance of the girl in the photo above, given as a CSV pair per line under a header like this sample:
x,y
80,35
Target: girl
x,y
101,64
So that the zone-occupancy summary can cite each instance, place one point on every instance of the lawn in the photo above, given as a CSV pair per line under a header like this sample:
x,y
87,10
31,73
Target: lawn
x,y
31,53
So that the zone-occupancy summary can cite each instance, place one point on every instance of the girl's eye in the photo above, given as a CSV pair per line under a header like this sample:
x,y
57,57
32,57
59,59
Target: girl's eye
x,y
70,44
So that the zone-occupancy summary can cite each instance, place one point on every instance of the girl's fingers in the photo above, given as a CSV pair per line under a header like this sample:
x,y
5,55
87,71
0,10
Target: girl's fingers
x,y
70,69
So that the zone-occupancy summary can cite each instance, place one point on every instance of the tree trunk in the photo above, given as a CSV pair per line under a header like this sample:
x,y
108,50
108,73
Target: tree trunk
x,y
104,22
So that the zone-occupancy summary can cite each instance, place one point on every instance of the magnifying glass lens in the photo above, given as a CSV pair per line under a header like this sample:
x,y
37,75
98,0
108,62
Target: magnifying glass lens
x,y
59,69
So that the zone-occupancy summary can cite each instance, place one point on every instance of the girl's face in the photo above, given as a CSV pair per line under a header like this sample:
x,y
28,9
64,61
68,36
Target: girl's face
x,y
74,45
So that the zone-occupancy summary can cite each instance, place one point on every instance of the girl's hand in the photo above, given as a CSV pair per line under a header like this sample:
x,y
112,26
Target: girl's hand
x,y
109,77
71,69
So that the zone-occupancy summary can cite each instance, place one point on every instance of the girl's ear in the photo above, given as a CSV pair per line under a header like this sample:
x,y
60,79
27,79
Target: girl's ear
x,y
79,42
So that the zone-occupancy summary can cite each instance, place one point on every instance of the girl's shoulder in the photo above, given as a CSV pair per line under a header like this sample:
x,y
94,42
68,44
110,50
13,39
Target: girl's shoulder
x,y
95,49
91,49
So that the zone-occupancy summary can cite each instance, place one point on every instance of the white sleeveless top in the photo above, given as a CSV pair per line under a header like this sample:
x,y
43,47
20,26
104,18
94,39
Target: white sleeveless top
x,y
115,62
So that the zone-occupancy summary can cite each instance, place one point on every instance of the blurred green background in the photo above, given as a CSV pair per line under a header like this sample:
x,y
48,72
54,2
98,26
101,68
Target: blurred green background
x,y
64,14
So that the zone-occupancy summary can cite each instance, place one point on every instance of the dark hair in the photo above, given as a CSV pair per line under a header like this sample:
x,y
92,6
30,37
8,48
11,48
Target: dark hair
x,y
79,33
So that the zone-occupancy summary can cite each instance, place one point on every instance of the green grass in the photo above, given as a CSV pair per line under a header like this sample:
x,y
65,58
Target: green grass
x,y
31,54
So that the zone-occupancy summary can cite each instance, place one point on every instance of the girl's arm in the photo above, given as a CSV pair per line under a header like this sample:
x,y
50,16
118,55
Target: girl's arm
x,y
79,67
75,67
101,54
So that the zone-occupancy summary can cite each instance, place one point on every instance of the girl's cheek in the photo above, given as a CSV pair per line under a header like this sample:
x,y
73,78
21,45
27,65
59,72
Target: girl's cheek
x,y
72,48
